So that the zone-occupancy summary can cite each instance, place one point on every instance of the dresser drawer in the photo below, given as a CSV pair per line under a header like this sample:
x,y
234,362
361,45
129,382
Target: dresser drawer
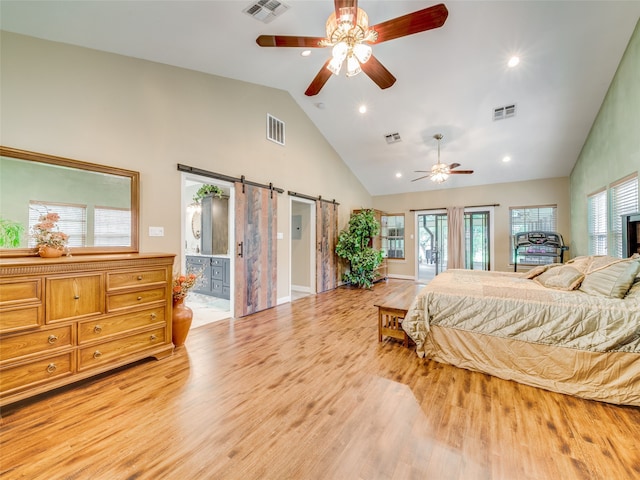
x,y
20,318
37,372
104,353
218,262
74,297
217,273
104,328
25,344
140,278
130,299
21,291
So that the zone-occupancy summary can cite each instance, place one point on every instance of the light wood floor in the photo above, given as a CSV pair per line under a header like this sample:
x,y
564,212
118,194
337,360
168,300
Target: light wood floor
x,y
305,391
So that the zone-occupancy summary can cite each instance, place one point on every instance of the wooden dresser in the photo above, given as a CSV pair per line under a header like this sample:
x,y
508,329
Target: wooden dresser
x,y
69,318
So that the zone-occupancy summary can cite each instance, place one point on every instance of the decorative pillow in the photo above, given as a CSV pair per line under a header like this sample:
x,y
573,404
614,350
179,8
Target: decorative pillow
x,y
563,277
612,281
535,271
634,291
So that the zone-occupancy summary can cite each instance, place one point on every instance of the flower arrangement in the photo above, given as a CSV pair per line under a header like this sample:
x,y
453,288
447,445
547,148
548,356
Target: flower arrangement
x,y
47,234
182,284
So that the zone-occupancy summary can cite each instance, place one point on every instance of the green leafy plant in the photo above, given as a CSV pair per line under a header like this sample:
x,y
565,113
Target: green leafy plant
x,y
354,245
10,233
205,190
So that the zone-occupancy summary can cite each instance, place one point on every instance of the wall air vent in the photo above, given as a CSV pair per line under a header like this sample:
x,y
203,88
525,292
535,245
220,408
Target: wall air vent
x,y
275,129
507,111
266,10
393,138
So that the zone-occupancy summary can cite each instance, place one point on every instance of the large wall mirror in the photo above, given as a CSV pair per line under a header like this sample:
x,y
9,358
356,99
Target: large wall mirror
x,y
98,205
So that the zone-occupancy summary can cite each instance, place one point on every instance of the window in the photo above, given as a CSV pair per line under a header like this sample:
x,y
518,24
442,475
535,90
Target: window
x,y
597,214
604,210
73,220
112,227
392,235
530,219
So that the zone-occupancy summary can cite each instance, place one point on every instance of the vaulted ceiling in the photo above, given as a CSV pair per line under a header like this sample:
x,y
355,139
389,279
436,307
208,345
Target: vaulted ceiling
x,y
450,80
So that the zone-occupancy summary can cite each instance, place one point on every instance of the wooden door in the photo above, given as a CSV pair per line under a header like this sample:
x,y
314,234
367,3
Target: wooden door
x,y
255,249
326,238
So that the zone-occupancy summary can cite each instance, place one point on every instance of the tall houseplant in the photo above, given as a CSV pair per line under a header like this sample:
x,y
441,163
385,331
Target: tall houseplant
x,y
205,190
354,245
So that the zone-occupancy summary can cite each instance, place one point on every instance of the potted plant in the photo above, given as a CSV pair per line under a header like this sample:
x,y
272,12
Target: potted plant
x,y
205,190
354,245
182,315
10,233
51,242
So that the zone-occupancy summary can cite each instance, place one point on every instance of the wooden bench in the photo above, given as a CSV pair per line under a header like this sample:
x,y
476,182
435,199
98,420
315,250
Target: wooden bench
x,y
391,312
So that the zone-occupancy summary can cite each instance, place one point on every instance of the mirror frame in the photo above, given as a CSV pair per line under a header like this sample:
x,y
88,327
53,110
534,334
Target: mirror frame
x,y
93,167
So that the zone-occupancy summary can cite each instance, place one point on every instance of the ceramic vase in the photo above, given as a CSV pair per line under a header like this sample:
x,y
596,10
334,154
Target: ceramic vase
x,y
49,252
181,322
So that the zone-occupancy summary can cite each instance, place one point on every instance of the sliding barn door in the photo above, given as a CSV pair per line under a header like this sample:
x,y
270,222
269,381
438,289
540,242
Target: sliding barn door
x,y
326,238
255,249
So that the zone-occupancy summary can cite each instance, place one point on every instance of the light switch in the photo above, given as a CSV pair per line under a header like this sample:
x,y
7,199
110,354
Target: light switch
x,y
156,231
280,235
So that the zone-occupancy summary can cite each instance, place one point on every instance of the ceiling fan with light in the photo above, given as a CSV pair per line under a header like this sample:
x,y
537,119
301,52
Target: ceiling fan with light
x,y
441,171
350,35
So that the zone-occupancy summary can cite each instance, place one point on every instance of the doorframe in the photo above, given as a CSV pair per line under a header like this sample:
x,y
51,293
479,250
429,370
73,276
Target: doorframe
x,y
185,176
312,243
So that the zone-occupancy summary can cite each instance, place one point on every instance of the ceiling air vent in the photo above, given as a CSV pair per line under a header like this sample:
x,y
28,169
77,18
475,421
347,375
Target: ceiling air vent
x,y
275,129
393,138
266,10
507,111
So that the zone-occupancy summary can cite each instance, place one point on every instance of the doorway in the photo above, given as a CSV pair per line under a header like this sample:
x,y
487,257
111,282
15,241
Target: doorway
x,y
302,248
209,304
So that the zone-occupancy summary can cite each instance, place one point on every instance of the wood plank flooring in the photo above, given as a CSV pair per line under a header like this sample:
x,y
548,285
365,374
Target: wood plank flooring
x,y
305,391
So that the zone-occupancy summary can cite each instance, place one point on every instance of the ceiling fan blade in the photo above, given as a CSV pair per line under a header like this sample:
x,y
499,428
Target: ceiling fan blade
x,y
416,22
346,7
318,82
289,41
463,172
420,178
422,171
454,165
378,73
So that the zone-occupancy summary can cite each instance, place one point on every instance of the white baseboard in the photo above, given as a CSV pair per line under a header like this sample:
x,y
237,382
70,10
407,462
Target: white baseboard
x,y
401,277
300,288
282,300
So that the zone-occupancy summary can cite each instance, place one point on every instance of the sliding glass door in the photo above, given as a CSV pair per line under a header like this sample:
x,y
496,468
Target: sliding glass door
x,y
432,228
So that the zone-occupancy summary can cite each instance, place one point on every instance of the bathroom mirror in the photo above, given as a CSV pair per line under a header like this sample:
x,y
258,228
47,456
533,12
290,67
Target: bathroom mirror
x,y
98,205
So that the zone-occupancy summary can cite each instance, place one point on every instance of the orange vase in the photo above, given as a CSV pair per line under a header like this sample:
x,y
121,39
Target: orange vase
x,y
181,322
49,252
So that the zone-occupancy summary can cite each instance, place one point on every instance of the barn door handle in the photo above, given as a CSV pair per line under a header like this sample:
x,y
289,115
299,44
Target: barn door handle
x,y
240,249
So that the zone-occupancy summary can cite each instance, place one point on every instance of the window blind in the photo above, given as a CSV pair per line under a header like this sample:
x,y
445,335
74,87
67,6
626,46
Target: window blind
x,y
112,227
597,219
624,199
73,220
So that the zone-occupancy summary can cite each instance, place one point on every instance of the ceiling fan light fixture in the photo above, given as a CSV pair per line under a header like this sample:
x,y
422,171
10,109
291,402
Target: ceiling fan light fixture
x,y
439,172
353,66
362,52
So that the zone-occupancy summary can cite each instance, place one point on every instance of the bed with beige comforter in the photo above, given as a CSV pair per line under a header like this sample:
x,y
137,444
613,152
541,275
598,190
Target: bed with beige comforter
x,y
579,336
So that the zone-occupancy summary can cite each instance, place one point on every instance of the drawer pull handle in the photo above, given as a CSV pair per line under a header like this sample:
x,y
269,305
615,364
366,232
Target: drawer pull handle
x,y
139,277
52,339
51,368
97,354
139,298
97,329
76,297
152,338
153,316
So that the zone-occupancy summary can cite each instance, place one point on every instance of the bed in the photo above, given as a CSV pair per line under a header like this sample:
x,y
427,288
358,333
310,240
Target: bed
x,y
571,328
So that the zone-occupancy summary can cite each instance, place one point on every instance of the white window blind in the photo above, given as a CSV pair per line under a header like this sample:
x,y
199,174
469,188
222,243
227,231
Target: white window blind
x,y
597,219
112,227
73,220
624,199
535,218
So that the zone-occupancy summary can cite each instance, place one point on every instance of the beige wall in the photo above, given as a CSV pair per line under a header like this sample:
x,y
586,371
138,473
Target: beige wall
x,y
518,194
113,110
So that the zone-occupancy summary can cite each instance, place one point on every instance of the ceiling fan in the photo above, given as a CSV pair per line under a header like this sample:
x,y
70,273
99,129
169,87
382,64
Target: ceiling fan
x,y
350,35
441,171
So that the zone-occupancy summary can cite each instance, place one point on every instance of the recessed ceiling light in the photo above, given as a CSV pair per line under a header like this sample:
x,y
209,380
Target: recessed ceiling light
x,y
398,175
506,159
513,61
362,109
305,53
